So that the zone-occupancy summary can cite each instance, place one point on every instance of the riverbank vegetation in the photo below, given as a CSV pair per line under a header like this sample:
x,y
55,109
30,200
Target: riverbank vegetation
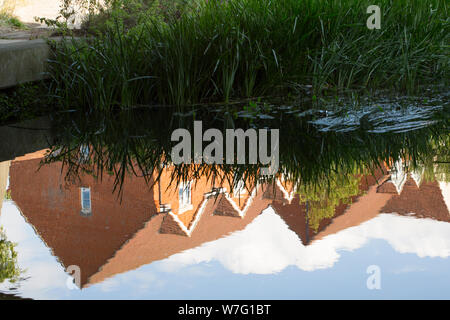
x,y
138,143
9,270
25,101
223,51
10,21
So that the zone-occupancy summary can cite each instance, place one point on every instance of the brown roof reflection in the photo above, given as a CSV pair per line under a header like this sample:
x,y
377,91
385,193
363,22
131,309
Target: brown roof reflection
x,y
118,236
121,236
424,201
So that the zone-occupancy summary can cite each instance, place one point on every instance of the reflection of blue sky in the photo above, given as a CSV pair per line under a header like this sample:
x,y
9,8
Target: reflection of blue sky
x,y
268,246
265,260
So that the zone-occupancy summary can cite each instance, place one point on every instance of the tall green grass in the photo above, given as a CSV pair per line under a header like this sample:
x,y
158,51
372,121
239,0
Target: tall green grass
x,y
229,50
8,20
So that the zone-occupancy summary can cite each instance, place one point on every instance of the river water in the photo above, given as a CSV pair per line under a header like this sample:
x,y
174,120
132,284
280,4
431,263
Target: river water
x,y
359,207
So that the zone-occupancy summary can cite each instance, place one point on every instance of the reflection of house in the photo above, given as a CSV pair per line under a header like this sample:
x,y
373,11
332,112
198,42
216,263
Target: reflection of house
x,y
84,224
397,179
412,196
362,207
422,201
4,173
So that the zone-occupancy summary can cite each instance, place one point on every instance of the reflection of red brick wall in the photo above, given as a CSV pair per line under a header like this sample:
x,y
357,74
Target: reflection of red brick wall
x,y
118,236
169,195
149,245
53,208
294,215
200,186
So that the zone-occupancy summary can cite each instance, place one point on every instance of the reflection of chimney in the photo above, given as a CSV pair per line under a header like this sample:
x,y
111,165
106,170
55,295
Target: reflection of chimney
x,y
4,173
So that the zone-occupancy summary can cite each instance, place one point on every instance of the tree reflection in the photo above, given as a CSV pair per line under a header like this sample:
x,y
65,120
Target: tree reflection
x,y
9,269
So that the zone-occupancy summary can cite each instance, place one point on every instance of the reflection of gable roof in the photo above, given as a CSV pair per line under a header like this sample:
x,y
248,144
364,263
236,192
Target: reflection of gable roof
x,y
126,236
118,236
53,211
363,207
426,201
149,245
228,206
225,207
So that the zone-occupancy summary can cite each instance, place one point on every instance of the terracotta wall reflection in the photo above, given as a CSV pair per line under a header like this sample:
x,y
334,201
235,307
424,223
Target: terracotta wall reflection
x,y
153,223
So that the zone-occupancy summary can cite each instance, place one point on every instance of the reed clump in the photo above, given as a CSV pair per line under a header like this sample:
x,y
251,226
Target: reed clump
x,y
219,51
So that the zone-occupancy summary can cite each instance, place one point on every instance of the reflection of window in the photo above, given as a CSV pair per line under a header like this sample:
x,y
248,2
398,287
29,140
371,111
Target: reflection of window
x,y
84,153
163,208
86,201
184,196
239,188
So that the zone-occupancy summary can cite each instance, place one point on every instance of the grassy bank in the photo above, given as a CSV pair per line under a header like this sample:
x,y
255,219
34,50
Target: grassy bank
x,y
221,51
9,21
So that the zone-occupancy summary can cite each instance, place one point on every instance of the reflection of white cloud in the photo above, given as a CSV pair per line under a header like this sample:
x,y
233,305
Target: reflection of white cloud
x,y
409,269
109,285
46,277
267,245
142,280
445,188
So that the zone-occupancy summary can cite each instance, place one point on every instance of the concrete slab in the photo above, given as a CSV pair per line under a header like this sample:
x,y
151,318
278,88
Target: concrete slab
x,y
22,61
7,41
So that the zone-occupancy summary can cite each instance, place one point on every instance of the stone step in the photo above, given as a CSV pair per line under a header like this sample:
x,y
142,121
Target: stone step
x,y
22,61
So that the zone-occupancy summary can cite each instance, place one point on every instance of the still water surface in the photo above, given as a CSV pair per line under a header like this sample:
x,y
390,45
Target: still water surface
x,y
360,189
